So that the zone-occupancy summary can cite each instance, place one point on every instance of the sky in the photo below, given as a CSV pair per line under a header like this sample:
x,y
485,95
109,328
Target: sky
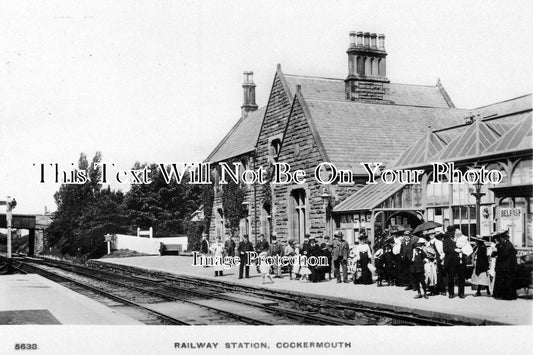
x,y
160,81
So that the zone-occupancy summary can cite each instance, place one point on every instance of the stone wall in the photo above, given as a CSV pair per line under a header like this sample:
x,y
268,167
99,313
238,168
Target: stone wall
x,y
41,223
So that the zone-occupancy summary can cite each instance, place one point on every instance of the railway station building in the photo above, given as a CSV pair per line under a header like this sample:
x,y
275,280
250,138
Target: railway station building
x,y
362,117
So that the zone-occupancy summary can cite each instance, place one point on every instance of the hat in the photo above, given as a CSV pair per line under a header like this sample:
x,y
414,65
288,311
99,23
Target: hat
x,y
406,232
245,236
326,237
273,238
440,236
421,241
363,236
311,239
338,234
450,230
501,233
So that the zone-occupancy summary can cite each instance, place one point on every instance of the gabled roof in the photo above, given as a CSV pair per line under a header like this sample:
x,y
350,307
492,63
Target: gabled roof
x,y
516,139
368,197
240,139
354,132
317,88
420,152
471,143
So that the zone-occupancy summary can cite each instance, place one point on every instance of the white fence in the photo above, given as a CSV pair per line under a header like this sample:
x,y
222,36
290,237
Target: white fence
x,y
145,245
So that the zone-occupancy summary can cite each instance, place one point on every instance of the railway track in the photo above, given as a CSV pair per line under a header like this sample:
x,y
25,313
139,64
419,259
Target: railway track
x,y
306,310
263,313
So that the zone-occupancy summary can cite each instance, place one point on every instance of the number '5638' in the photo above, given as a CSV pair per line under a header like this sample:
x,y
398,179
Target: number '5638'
x,y
25,346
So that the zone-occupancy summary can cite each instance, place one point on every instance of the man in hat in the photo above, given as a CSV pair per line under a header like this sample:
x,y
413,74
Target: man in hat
x,y
314,251
418,268
276,250
397,258
505,269
454,265
340,253
406,252
244,249
262,244
326,251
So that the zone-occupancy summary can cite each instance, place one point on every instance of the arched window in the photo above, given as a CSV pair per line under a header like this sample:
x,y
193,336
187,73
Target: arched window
x,y
298,206
275,148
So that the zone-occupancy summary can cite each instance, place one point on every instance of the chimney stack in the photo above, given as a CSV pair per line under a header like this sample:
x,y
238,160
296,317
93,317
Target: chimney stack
x,y
381,38
366,68
248,87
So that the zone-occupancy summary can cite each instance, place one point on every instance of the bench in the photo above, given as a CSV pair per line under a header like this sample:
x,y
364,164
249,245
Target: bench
x,y
170,249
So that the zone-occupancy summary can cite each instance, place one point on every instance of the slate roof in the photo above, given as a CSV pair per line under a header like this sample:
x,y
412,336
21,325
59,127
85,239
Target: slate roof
x,y
516,139
240,139
480,138
420,152
368,197
354,132
514,105
243,136
316,88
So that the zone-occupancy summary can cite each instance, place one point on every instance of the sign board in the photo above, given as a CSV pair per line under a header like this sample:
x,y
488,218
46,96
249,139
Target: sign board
x,y
486,220
512,218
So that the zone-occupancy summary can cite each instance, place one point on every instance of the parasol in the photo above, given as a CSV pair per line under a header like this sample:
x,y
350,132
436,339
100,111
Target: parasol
x,y
426,226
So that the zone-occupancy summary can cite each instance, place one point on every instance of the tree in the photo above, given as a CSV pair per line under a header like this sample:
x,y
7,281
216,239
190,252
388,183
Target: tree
x,y
166,207
232,206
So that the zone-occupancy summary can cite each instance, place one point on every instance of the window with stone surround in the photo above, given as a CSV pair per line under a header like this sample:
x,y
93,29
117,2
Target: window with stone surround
x,y
298,221
274,147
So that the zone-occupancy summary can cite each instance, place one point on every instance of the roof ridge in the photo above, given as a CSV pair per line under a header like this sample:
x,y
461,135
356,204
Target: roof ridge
x,y
232,130
340,79
313,77
499,102
385,104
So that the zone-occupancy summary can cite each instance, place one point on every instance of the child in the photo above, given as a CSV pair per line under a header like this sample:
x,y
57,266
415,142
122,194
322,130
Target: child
x,y
264,267
418,264
304,270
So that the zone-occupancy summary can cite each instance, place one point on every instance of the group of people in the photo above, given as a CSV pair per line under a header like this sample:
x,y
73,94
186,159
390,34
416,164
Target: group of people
x,y
430,264
434,263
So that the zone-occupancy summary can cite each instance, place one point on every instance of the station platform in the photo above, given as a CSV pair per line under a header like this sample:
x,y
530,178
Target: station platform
x,y
477,310
33,299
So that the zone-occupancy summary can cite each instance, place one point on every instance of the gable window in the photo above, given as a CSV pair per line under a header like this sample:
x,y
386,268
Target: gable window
x,y
274,147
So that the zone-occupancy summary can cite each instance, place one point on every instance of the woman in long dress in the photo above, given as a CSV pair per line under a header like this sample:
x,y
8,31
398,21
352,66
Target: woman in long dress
x,y
363,255
217,249
480,276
